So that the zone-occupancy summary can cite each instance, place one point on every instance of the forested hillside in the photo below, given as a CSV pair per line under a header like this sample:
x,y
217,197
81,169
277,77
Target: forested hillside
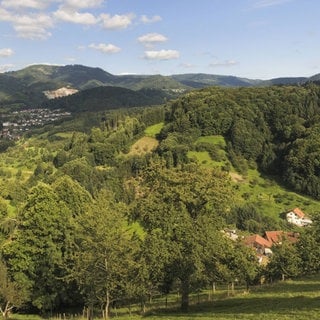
x,y
275,128
106,98
26,87
86,221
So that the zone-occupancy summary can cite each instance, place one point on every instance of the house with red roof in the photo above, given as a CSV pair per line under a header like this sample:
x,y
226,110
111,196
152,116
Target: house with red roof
x,y
263,245
297,217
277,237
258,243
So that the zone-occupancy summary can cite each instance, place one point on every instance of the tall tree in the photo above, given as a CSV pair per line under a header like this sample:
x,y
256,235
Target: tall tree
x,y
35,256
105,254
12,296
308,247
285,261
183,206
76,197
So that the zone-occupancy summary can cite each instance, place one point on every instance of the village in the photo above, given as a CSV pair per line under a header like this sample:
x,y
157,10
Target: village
x,y
19,122
262,245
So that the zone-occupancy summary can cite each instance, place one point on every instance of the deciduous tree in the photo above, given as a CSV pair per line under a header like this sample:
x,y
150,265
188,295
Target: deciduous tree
x,y
182,207
105,254
12,296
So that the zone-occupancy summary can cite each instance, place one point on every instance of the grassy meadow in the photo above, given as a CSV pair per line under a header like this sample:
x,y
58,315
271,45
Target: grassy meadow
x,y
293,299
148,142
268,196
153,130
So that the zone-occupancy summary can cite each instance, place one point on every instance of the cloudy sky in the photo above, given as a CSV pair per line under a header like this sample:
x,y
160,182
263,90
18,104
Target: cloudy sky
x,y
248,38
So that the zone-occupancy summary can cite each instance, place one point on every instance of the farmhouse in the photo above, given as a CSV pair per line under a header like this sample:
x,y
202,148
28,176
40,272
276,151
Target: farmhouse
x,y
298,218
277,237
263,245
258,243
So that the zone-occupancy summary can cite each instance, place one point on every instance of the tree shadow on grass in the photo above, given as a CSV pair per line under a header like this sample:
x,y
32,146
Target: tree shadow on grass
x,y
233,307
300,299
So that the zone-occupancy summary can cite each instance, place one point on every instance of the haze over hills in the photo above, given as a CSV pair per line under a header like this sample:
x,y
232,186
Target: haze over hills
x,y
32,85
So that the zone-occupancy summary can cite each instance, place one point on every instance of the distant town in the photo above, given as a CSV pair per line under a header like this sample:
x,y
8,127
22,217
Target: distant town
x,y
18,122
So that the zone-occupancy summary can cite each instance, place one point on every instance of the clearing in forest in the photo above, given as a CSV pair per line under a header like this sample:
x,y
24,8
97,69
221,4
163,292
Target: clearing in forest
x,y
143,145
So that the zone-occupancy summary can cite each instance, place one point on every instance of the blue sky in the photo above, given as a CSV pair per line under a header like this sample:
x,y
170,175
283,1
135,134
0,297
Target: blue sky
x,y
248,38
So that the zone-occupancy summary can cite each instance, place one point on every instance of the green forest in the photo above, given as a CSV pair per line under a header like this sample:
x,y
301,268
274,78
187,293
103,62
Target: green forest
x,y
93,218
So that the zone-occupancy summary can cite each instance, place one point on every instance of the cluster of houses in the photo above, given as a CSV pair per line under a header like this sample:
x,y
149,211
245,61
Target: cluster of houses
x,y
263,244
23,120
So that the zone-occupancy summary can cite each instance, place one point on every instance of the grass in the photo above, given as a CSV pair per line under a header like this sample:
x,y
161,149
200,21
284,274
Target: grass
x,y
204,159
216,140
298,299
64,135
271,198
268,196
293,299
148,142
143,145
153,130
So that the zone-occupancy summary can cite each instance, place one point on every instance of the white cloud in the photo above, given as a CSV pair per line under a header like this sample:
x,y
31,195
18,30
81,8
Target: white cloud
x,y
105,48
5,15
117,21
153,19
226,63
75,17
33,26
30,26
29,23
18,4
82,4
70,11
152,38
6,52
5,67
269,3
32,32
161,55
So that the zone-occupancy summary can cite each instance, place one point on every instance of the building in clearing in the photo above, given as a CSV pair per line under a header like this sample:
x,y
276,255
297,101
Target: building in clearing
x,y
298,218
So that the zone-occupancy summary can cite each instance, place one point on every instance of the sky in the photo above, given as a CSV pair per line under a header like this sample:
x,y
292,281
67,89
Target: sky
x,y
256,39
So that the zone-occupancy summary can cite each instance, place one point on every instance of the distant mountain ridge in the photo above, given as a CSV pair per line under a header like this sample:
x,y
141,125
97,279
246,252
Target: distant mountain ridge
x,y
201,80
106,97
26,87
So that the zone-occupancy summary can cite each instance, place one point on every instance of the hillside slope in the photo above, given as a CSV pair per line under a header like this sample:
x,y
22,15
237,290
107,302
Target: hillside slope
x,y
104,98
26,87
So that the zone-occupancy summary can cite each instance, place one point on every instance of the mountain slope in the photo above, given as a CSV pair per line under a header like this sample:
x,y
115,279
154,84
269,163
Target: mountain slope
x,y
286,81
26,87
69,75
201,80
82,77
105,98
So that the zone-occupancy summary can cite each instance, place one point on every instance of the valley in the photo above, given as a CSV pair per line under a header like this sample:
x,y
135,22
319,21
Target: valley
x,y
120,198
15,123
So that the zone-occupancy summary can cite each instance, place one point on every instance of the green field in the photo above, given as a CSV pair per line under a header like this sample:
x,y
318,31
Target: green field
x,y
293,299
204,159
271,198
216,140
152,131
268,196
